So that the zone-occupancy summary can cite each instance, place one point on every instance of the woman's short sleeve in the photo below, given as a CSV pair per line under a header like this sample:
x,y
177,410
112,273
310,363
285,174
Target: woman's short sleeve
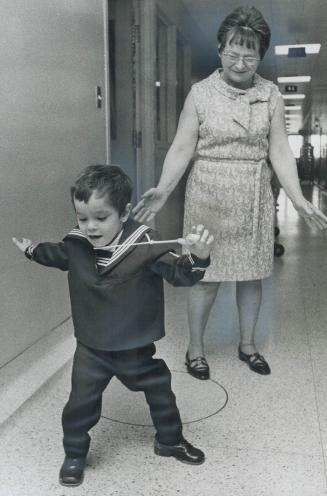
x,y
195,92
274,96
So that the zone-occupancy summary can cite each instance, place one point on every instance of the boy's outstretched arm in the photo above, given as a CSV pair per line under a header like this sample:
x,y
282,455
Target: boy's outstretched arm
x,y
23,244
48,254
186,270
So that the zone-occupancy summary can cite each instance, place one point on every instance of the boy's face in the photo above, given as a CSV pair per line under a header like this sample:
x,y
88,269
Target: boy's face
x,y
99,221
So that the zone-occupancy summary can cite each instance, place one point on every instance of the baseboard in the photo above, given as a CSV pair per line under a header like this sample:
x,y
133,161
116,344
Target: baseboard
x,y
27,373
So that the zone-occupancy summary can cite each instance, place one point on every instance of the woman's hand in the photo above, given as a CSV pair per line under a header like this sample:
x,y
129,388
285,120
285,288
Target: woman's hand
x,y
151,202
311,214
199,241
22,245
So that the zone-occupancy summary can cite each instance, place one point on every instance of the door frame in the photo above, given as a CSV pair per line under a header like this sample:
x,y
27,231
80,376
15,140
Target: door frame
x,y
105,6
144,77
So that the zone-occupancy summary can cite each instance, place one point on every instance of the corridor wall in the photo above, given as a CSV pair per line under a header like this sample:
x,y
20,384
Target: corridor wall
x,y
52,58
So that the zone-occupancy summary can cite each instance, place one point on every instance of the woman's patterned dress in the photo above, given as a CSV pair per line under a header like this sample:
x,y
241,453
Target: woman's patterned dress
x,y
228,189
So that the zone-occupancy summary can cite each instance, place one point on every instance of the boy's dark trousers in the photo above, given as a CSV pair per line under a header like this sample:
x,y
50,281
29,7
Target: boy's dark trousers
x,y
136,369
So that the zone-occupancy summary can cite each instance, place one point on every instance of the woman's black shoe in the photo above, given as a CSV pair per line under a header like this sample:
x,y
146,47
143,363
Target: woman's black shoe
x,y
255,361
198,367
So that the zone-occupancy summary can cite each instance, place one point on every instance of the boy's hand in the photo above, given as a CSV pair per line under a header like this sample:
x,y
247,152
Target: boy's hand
x,y
199,241
22,245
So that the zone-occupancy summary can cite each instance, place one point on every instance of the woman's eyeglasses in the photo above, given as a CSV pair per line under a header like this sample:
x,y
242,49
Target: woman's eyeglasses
x,y
233,58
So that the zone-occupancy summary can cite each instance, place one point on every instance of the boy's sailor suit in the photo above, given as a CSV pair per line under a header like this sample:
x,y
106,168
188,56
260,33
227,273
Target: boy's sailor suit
x,y
117,302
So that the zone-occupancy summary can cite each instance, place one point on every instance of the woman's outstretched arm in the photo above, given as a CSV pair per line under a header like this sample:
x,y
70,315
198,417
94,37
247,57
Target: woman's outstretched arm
x,y
284,164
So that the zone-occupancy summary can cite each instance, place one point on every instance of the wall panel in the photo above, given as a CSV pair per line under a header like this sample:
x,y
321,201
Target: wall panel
x,y
52,57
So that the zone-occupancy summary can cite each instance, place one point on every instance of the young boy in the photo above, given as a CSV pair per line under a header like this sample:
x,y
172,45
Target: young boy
x,y
117,301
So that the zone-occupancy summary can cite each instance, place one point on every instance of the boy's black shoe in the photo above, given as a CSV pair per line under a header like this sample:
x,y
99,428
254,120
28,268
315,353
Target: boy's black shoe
x,y
183,451
72,471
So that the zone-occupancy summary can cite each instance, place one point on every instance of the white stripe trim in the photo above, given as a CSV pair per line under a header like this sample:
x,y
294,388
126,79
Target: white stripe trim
x,y
191,259
102,264
77,232
126,245
113,242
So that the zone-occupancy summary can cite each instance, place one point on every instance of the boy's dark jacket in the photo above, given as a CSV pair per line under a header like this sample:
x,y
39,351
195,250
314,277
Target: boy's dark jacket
x,y
118,302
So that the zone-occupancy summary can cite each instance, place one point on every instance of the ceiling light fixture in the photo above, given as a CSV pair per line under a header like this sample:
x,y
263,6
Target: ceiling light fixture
x,y
293,107
310,48
298,96
294,79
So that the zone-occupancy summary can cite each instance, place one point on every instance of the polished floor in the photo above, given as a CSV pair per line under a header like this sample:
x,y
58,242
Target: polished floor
x,y
265,436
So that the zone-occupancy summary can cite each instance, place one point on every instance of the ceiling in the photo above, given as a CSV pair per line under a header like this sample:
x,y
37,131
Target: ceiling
x,y
291,22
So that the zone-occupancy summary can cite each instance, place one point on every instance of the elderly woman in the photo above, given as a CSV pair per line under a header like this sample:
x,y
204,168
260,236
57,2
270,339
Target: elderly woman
x,y
232,123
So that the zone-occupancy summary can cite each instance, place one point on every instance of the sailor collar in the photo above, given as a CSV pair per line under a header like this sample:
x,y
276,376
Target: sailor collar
x,y
131,233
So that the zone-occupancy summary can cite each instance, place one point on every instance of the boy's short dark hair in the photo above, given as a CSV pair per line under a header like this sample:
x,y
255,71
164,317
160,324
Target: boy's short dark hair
x,y
108,181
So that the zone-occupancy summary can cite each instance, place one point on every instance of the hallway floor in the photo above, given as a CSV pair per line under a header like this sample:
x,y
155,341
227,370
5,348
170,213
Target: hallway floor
x,y
264,436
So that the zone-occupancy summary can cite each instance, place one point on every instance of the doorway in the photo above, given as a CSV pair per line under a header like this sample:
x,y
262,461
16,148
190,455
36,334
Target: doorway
x,y
123,62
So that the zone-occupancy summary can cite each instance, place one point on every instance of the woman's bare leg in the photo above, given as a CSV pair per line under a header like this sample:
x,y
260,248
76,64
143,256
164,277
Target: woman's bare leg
x,y
248,297
200,301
